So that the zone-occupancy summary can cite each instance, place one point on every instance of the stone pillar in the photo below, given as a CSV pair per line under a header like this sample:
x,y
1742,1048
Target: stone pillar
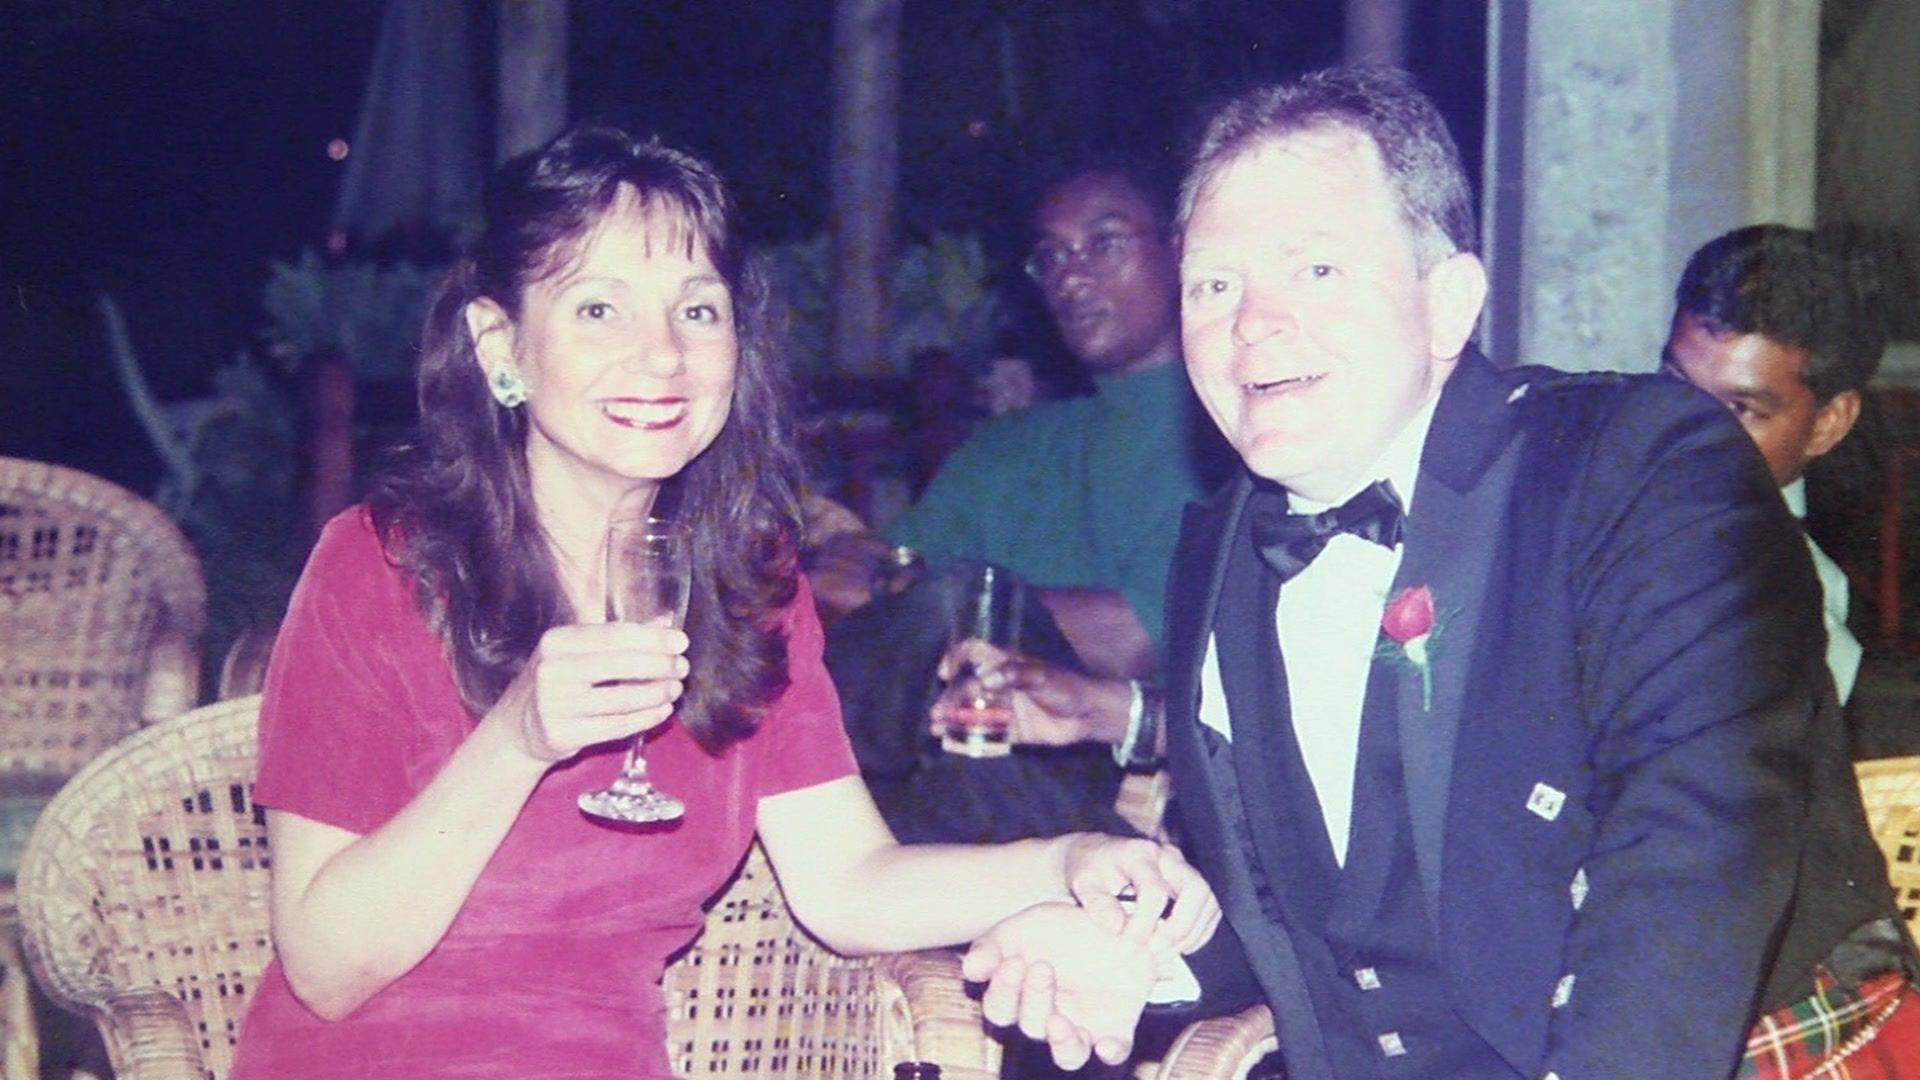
x,y
1783,110
1376,32
1869,153
1620,138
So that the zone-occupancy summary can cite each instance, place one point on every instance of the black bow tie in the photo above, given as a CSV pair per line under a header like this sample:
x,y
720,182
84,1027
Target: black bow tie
x,y
1288,542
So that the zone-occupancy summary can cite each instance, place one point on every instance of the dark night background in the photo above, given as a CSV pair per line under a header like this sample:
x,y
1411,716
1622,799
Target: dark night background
x,y
165,150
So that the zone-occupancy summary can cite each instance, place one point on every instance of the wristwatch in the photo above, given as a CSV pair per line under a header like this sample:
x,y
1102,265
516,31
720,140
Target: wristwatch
x,y
1145,713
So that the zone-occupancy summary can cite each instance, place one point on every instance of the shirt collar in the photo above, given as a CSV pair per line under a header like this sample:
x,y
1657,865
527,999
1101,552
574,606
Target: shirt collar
x,y
1398,464
1139,389
1796,496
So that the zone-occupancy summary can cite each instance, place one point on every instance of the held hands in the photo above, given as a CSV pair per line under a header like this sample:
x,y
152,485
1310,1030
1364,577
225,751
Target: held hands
x,y
1078,977
1126,885
1052,706
1063,979
589,683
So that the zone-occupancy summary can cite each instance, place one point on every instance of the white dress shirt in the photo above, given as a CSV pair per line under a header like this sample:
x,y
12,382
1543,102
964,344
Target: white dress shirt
x,y
1328,621
1843,649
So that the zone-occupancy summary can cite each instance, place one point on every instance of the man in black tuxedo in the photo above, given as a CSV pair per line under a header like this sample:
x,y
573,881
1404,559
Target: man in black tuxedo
x,y
1495,699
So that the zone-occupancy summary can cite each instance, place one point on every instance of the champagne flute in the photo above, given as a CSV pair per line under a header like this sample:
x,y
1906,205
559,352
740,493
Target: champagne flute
x,y
649,580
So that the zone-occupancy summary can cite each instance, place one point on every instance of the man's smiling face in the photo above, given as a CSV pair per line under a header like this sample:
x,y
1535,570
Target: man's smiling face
x,y
1310,332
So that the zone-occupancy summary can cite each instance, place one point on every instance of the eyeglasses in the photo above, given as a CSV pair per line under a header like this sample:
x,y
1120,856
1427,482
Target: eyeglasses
x,y
1103,251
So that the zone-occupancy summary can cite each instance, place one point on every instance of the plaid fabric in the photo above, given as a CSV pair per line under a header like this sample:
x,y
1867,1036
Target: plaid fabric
x,y
1872,1033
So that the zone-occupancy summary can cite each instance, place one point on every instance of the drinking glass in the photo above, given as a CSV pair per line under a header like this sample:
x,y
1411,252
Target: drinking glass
x,y
649,580
974,719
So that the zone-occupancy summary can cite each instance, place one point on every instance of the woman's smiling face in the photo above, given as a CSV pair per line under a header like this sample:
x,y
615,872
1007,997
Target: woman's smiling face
x,y
628,354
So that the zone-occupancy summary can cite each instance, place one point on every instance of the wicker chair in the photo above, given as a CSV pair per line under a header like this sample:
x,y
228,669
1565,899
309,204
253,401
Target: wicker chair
x,y
144,901
1890,790
243,670
101,610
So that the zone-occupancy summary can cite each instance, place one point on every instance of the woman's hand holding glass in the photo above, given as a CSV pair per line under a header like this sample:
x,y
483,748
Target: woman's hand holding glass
x,y
591,683
649,581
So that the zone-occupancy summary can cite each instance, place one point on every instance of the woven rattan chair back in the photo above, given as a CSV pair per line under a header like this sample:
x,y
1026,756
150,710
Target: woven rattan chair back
x,y
144,903
143,891
1223,1048
101,611
1890,791
754,996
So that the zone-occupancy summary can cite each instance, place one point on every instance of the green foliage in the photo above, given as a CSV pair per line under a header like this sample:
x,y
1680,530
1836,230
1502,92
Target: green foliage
x,y
240,440
942,299
370,314
239,504
801,272
229,482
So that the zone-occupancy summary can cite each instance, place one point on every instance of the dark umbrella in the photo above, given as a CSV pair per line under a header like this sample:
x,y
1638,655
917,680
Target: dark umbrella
x,y
416,159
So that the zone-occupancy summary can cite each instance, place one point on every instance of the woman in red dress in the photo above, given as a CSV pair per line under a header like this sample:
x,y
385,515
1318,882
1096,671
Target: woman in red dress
x,y
444,688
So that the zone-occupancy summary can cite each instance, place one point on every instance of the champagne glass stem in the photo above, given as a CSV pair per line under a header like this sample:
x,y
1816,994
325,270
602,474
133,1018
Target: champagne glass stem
x,y
647,582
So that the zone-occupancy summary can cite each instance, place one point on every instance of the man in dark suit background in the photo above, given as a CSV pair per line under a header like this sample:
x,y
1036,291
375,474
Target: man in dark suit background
x,y
1495,702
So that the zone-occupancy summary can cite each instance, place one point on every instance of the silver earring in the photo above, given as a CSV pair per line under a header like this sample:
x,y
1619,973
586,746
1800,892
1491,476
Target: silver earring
x,y
507,388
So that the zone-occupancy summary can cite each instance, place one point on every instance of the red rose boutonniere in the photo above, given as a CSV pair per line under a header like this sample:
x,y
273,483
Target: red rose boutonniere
x,y
1411,628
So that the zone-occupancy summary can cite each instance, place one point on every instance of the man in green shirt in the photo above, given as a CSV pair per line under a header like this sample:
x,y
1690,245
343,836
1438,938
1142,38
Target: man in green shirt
x,y
1081,497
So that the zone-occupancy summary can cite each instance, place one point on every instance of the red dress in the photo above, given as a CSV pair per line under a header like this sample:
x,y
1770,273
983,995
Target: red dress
x,y
552,967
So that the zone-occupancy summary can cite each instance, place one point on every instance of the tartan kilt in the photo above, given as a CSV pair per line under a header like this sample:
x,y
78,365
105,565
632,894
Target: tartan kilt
x,y
1869,1033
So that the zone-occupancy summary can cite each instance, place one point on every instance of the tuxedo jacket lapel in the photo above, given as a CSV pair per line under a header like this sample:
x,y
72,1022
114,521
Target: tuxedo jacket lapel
x,y
1255,750
1466,473
1253,676
1193,596
1199,573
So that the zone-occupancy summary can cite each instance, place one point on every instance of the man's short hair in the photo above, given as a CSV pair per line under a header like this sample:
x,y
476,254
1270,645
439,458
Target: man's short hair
x,y
1794,287
1421,162
1148,176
